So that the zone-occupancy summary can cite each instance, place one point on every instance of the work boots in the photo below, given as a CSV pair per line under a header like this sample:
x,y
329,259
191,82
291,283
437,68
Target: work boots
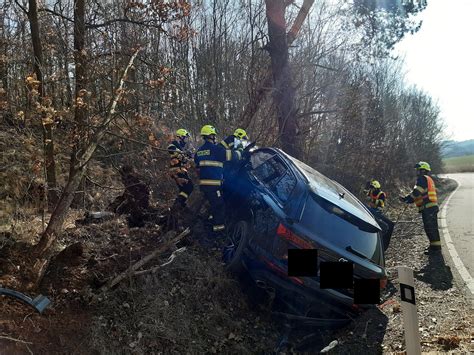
x,y
432,250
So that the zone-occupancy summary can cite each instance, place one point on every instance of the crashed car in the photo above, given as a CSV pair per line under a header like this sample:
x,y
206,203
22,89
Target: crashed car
x,y
276,203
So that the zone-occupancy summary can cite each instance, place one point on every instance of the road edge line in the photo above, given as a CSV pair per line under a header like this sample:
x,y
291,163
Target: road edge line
x,y
466,277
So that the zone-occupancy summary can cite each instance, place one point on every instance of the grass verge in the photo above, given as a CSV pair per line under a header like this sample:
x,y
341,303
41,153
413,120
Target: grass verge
x,y
459,164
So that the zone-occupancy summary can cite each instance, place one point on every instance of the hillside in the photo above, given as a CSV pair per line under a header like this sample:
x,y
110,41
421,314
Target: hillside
x,y
457,149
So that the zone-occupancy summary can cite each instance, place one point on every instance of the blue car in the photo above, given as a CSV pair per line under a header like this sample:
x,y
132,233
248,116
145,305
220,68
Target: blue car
x,y
276,203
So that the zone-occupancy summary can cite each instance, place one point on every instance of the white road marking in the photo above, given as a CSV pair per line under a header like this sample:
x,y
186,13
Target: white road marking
x,y
467,278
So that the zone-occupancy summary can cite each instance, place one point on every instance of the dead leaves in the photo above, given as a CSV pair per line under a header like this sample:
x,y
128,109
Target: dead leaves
x,y
449,342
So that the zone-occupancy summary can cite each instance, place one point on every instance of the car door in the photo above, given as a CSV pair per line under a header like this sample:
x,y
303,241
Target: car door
x,y
275,183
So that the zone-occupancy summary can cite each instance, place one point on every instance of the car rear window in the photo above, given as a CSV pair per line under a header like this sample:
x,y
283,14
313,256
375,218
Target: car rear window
x,y
327,183
329,223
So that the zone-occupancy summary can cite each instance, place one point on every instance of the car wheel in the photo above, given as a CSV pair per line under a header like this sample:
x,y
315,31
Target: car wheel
x,y
238,240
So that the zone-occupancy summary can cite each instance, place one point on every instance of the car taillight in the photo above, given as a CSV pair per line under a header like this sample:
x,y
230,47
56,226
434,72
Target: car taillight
x,y
280,248
293,238
281,271
383,283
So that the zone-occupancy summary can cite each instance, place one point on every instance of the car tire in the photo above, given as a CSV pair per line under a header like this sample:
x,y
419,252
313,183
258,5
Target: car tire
x,y
240,231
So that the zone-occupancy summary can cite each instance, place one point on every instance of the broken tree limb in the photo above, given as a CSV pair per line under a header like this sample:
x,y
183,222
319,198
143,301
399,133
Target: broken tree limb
x,y
156,268
304,10
143,261
15,340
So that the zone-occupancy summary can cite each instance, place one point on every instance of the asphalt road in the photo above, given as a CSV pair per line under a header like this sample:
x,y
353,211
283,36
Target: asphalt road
x,y
460,219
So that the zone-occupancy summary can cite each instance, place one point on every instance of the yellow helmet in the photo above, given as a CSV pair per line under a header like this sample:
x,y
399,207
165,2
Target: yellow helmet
x,y
375,184
240,133
182,133
422,165
208,130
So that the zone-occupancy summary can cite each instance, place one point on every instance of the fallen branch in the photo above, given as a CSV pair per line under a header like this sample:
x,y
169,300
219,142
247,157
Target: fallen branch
x,y
131,270
156,268
14,339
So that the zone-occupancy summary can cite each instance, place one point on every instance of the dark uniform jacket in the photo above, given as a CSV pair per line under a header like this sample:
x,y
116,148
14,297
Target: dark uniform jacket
x,y
209,160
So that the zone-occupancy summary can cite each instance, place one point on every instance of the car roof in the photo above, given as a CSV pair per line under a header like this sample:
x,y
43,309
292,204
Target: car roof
x,y
330,190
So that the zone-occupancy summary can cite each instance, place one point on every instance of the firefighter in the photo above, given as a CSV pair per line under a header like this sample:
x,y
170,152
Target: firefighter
x,y
179,159
209,159
233,144
377,200
425,198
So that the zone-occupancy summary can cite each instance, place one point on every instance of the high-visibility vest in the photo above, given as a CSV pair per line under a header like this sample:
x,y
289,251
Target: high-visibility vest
x,y
428,197
375,200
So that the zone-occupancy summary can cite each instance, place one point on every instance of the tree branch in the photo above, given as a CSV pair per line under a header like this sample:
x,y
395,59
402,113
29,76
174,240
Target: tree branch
x,y
103,24
27,13
14,339
305,114
299,20
52,12
135,141
101,131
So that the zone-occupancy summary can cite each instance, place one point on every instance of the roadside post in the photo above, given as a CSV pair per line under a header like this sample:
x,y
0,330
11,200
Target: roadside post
x,y
410,315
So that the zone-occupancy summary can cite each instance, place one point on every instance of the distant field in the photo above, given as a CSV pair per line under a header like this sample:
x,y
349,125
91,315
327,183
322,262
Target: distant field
x,y
459,164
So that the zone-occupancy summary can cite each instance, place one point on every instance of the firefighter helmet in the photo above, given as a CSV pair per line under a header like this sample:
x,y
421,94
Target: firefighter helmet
x,y
182,133
422,165
208,130
375,184
240,133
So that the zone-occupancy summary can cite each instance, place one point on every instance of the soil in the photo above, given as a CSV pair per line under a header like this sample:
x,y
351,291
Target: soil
x,y
192,305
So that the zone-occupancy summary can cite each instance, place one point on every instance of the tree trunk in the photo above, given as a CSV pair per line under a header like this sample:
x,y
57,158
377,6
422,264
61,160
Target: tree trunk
x,y
46,124
283,90
266,85
3,52
80,107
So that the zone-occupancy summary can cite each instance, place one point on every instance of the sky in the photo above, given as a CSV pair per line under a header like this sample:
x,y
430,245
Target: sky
x,y
439,59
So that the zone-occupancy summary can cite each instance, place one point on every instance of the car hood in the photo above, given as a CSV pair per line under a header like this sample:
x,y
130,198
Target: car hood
x,y
334,192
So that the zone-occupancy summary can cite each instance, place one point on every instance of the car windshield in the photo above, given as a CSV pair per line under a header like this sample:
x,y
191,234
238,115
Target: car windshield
x,y
341,229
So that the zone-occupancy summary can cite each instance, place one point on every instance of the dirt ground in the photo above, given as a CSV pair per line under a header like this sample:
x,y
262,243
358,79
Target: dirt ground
x,y
192,305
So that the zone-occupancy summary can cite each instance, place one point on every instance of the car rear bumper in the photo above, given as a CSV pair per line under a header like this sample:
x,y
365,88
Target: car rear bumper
x,y
306,296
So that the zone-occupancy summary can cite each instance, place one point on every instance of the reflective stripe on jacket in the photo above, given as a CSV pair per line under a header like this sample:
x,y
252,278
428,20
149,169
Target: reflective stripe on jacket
x,y
230,150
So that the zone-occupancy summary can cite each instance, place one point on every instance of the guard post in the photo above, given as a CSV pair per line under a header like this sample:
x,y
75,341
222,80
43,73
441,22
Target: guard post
x,y
408,306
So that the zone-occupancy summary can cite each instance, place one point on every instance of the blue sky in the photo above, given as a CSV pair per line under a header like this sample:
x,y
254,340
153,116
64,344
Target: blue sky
x,y
439,59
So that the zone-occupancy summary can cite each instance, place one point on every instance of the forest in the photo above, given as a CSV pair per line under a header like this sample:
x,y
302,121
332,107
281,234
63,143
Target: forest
x,y
90,86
